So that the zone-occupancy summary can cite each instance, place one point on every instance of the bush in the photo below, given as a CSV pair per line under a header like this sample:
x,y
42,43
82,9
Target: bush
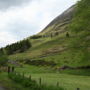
x,y
30,84
35,37
3,60
26,82
40,62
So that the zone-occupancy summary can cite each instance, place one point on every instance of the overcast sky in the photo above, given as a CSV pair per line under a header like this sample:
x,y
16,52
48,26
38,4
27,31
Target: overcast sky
x,y
22,18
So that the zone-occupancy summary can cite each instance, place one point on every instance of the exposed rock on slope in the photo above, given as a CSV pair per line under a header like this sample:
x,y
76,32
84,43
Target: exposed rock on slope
x,y
59,24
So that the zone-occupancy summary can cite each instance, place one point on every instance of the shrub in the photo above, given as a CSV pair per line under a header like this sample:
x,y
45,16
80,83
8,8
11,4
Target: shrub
x,y
26,82
35,37
3,60
30,84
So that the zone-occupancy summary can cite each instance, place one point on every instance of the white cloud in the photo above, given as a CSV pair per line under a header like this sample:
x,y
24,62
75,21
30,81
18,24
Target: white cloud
x,y
5,4
6,37
19,22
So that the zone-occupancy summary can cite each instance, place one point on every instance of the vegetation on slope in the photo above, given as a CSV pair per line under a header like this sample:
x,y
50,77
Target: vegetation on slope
x,y
3,60
73,50
80,27
49,77
17,47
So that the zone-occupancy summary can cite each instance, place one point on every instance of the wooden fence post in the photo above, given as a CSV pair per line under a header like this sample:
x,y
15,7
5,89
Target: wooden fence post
x,y
23,75
78,88
30,77
57,84
40,81
9,69
13,68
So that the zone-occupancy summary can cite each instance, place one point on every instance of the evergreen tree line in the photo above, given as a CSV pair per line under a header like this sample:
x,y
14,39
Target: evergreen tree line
x,y
47,35
17,47
36,36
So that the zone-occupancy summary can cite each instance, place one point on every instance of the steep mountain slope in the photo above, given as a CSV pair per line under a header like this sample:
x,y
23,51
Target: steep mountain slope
x,y
72,49
59,24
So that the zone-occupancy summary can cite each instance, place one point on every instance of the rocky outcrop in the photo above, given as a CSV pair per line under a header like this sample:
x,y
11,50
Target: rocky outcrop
x,y
60,21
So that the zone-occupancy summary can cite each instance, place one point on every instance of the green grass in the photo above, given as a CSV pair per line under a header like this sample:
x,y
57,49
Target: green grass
x,y
78,72
35,51
49,78
66,79
70,82
29,84
34,69
72,56
9,84
47,46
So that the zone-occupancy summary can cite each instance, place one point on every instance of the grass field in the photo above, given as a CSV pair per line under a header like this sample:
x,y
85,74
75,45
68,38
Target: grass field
x,y
49,77
73,51
70,82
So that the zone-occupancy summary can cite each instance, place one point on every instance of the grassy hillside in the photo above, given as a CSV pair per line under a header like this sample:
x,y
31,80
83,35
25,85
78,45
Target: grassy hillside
x,y
64,43
60,23
73,50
